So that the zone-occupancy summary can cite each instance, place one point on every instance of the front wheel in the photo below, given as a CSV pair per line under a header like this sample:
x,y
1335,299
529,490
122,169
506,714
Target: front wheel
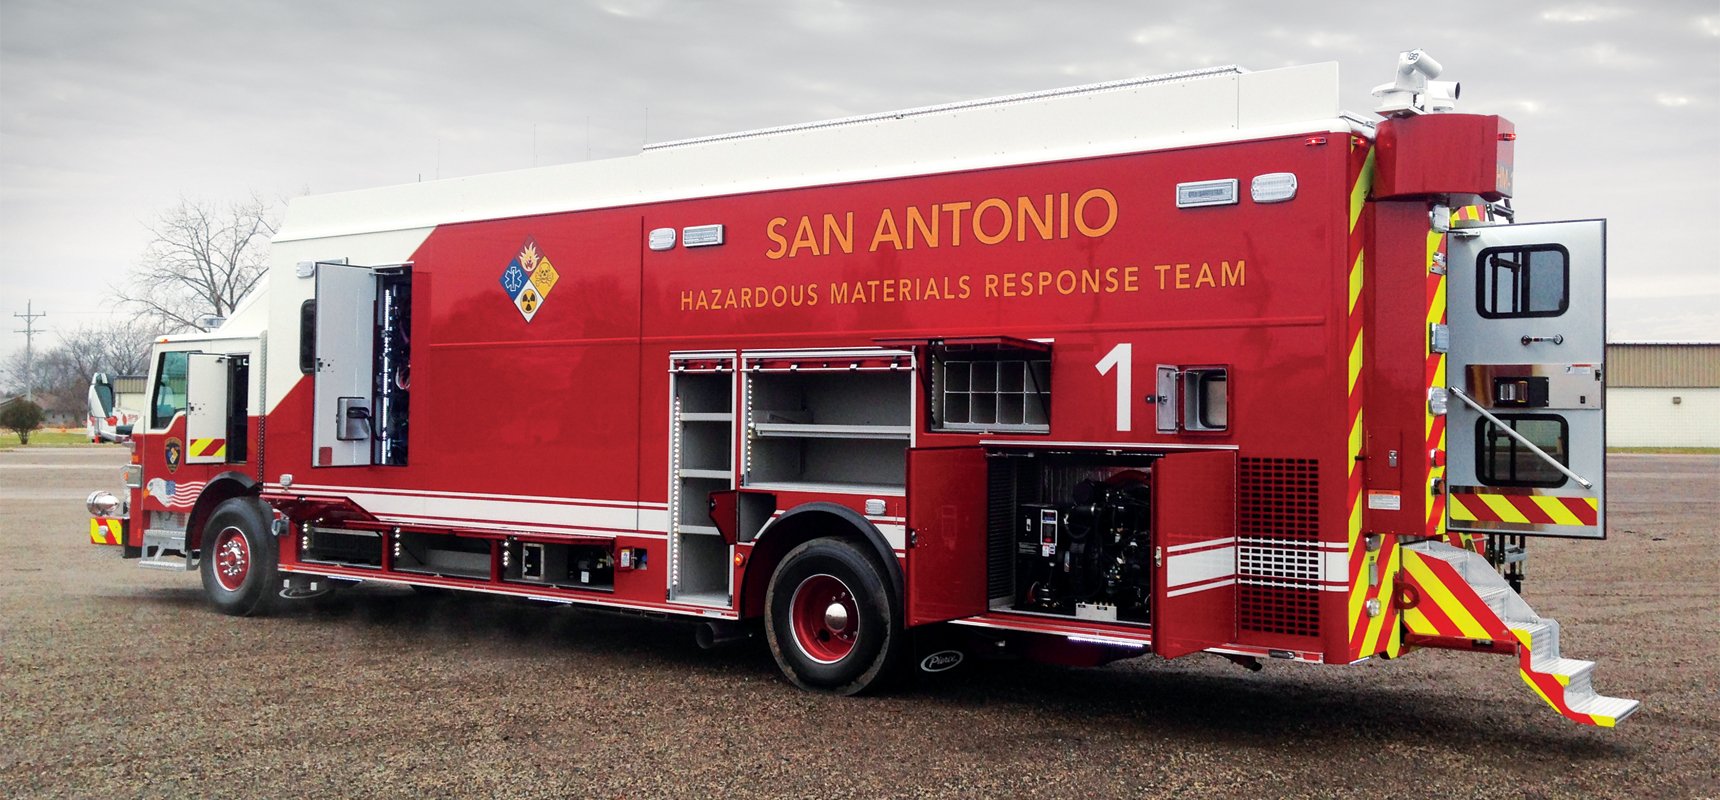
x,y
239,557
831,619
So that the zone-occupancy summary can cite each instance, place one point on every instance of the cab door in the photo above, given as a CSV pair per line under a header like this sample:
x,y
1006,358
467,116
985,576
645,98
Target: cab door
x,y
1527,313
1194,552
206,406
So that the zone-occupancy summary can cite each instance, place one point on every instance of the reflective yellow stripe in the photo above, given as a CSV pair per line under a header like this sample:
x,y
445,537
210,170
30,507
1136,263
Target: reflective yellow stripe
x,y
1359,192
1376,625
1355,367
1356,282
1555,509
1503,508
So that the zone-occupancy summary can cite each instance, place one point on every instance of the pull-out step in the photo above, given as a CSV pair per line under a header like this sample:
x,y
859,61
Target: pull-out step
x,y
1462,598
164,548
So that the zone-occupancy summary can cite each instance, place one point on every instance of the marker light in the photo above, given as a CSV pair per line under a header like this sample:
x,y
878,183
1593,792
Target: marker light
x,y
1273,187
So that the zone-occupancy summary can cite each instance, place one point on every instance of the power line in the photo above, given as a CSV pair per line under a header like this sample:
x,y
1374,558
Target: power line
x,y
29,331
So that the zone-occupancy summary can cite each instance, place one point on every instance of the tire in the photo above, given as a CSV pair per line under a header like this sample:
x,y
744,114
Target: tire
x,y
832,622
239,558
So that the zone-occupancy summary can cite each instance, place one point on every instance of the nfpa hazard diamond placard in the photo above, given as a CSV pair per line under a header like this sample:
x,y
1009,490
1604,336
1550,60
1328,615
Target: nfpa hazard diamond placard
x,y
528,279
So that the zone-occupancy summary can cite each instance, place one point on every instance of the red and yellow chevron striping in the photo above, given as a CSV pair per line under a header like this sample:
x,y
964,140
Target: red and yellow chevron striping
x,y
1469,216
1529,509
208,448
1371,583
107,530
1445,606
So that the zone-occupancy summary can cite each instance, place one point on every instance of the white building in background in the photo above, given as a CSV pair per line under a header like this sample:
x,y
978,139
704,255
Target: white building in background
x,y
1663,394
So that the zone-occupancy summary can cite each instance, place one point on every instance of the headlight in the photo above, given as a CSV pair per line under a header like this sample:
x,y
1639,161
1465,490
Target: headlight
x,y
102,503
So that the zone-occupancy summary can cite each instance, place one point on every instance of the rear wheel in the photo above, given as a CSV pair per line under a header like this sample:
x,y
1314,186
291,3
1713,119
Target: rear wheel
x,y
239,557
831,619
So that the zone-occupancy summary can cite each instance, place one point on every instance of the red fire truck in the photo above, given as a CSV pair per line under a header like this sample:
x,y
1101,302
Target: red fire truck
x,y
1190,363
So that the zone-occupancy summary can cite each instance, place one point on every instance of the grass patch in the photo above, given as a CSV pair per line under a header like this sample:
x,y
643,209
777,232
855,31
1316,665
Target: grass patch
x,y
47,437
1703,451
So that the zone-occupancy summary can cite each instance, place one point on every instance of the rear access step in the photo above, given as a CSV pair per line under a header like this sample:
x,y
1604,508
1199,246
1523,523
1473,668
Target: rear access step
x,y
1459,600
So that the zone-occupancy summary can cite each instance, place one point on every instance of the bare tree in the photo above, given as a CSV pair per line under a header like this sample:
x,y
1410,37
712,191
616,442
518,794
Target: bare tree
x,y
62,373
203,260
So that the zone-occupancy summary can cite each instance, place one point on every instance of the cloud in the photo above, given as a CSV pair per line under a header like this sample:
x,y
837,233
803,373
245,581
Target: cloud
x,y
1582,13
111,111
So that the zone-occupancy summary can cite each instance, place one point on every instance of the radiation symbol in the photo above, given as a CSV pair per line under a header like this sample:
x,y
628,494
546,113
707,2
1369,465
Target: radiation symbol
x,y
528,302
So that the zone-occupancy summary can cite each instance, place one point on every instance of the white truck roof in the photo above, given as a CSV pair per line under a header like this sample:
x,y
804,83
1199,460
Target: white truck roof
x,y
1216,104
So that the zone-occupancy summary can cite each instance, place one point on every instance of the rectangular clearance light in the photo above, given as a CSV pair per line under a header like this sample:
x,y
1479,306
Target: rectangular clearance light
x,y
1273,187
702,235
1206,193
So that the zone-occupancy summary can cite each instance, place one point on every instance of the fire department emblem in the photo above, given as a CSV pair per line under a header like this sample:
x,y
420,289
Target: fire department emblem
x,y
528,279
173,452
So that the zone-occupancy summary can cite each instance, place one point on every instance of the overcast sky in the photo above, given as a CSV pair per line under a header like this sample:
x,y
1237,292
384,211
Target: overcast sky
x,y
111,111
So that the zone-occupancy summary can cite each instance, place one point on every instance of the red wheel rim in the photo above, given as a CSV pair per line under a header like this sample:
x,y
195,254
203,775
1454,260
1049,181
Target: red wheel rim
x,y
232,558
826,621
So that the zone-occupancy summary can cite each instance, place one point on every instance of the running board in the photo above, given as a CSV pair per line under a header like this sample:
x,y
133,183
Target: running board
x,y
164,548
1458,600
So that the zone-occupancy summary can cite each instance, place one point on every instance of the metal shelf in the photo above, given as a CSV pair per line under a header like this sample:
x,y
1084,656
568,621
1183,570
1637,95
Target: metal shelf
x,y
805,430
700,530
713,599
707,416
830,487
712,474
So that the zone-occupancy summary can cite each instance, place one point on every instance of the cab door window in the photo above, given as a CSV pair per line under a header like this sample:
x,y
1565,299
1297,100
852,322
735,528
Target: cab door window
x,y
169,392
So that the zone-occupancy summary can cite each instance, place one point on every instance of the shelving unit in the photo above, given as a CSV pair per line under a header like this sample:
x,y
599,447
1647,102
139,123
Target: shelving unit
x,y
702,460
828,421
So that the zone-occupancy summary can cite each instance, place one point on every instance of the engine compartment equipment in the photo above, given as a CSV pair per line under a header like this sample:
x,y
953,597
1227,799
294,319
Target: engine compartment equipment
x,y
1090,554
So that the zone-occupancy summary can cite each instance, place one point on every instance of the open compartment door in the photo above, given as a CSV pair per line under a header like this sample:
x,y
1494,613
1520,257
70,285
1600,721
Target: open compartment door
x,y
206,406
1194,555
946,523
345,365
1526,416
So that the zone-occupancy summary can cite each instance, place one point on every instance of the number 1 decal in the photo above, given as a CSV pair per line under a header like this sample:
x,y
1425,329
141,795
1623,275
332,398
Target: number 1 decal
x,y
1121,357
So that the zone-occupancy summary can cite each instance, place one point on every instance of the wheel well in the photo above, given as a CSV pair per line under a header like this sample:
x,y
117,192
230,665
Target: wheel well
x,y
803,524
221,488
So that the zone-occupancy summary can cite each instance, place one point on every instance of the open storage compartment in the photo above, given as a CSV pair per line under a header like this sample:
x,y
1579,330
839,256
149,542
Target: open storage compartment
x,y
702,461
341,547
828,420
568,566
441,554
1070,534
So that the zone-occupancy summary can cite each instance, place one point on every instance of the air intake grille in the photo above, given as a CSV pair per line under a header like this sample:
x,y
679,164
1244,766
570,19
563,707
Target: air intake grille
x,y
1001,474
1279,564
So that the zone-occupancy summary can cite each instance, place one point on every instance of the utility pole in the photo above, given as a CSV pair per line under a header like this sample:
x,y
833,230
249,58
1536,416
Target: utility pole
x,y
29,332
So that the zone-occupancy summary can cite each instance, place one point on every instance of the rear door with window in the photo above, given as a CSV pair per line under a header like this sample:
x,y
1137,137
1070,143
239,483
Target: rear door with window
x,y
1527,341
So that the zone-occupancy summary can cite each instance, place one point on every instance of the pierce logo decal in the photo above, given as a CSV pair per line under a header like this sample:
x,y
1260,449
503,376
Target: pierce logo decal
x,y
941,661
528,279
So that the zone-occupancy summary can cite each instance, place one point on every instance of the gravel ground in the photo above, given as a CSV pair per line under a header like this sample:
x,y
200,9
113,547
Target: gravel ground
x,y
119,682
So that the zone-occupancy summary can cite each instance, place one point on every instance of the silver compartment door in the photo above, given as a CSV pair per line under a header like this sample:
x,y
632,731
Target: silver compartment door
x,y
345,339
206,409
1532,357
